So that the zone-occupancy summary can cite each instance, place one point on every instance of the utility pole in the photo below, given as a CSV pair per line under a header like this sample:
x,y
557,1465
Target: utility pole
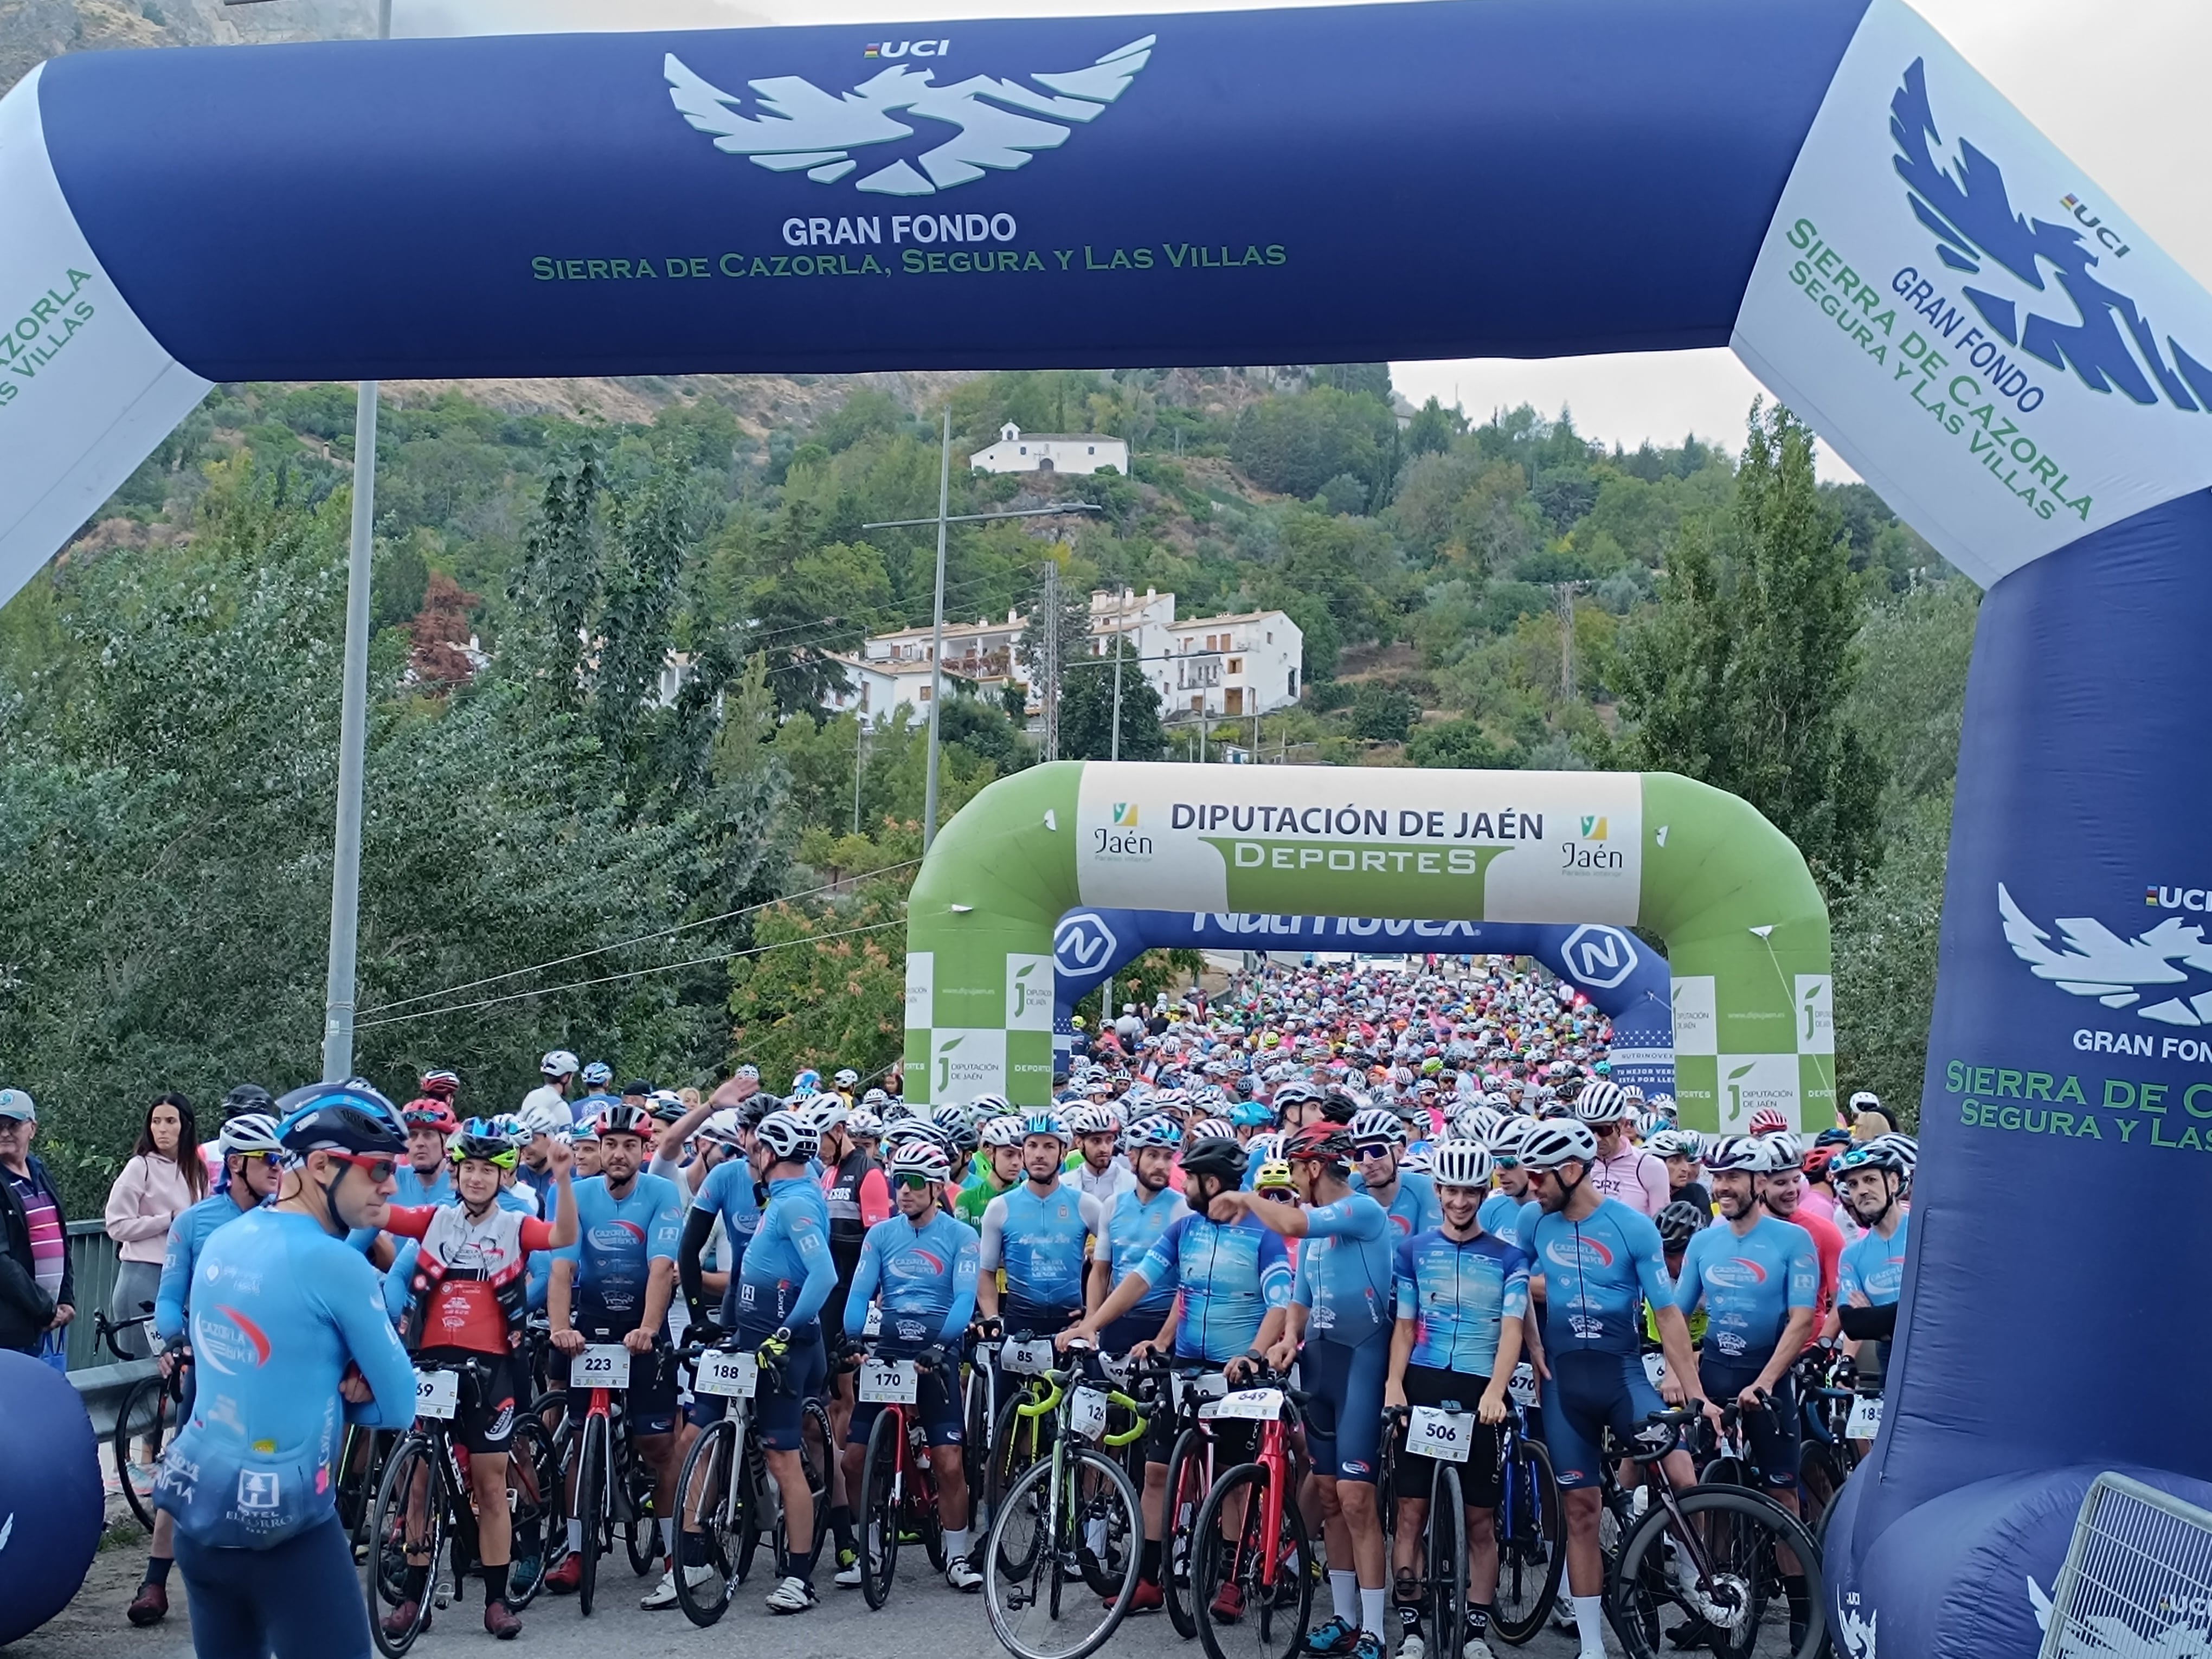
x,y
1566,598
860,754
1050,699
1120,621
339,990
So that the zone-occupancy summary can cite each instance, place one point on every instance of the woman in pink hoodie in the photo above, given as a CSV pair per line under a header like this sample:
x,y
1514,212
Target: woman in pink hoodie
x,y
164,1177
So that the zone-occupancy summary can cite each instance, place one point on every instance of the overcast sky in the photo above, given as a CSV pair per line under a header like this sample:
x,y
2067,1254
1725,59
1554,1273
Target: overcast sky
x,y
2114,83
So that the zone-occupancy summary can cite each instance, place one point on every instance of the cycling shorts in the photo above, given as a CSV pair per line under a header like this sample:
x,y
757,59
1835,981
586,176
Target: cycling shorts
x,y
1587,1393
1415,1475
779,1406
1236,1441
649,1403
302,1596
935,1403
1776,1444
1344,1418
488,1398
1131,1329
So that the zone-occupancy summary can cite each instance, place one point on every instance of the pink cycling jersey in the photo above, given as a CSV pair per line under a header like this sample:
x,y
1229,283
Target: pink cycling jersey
x,y
1636,1177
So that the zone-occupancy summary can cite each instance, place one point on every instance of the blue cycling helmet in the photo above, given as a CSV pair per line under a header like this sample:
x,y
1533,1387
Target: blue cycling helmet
x,y
1046,1123
351,1116
1250,1115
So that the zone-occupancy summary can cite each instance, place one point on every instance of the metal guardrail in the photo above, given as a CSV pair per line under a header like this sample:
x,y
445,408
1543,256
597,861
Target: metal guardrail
x,y
94,1260
2137,1578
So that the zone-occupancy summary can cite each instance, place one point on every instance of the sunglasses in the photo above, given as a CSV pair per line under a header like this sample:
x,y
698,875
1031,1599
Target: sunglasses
x,y
1369,1154
1280,1195
914,1183
378,1168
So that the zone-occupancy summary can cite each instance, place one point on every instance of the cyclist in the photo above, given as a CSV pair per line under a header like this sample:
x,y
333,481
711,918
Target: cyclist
x,y
783,1285
725,1193
467,1304
1038,1233
1871,1277
1104,1173
1501,1211
1680,1150
1131,1225
1596,1262
1784,1189
614,1283
859,1197
1233,1277
245,1100
921,1264
250,1150
583,1143
1001,1138
1342,1303
541,1125
1623,1169
1409,1197
424,1178
559,1070
288,1322
1758,1278
1462,1296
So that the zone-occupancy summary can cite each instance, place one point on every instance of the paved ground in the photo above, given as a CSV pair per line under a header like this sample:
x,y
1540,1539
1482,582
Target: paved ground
x,y
922,1617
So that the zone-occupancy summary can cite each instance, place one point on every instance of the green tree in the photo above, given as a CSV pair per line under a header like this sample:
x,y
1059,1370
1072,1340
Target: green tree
x,y
1457,743
828,988
1742,678
1295,445
1383,713
1087,714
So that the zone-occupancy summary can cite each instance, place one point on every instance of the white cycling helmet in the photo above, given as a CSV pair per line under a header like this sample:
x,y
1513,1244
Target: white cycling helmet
x,y
1461,1163
543,1119
790,1135
1600,1101
1675,1143
1003,1131
559,1063
1092,1120
921,1157
725,1128
1377,1123
1558,1140
250,1133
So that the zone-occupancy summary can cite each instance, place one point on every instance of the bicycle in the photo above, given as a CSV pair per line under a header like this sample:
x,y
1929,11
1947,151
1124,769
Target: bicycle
x,y
1190,1476
898,1493
1531,1523
1714,1551
1021,1423
424,1501
609,1477
1264,1559
725,1497
151,1412
1072,1514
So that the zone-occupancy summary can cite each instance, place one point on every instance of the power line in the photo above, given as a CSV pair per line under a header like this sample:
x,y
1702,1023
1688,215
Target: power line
x,y
634,973
619,945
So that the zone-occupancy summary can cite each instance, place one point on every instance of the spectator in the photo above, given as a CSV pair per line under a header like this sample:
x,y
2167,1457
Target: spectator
x,y
164,1178
36,1294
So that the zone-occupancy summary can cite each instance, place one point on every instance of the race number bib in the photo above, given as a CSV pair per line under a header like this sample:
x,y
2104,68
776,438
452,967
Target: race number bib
x,y
1654,1367
1865,1421
437,1394
1523,1384
889,1382
1030,1359
1254,1405
1446,1436
1086,1413
733,1376
872,1326
600,1366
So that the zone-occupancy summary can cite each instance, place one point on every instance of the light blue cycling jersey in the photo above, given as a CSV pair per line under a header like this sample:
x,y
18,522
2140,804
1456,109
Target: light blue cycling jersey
x,y
1229,1275
1500,1217
618,1241
278,1308
1413,1208
1873,1266
788,1274
1038,1239
414,1192
1457,1293
1132,1226
1346,1269
1749,1283
728,1191
188,1236
1597,1275
925,1278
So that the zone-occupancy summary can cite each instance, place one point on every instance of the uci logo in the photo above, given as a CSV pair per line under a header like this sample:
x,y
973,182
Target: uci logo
x,y
885,49
1082,944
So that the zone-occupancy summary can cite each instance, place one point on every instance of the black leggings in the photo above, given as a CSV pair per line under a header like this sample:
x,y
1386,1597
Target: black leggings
x,y
300,1600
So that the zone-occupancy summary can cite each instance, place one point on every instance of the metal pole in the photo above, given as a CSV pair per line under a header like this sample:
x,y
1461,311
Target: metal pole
x,y
1050,697
937,637
1120,621
860,752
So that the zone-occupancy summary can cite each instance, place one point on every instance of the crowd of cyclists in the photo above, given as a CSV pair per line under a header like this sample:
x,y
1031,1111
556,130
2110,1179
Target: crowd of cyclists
x,y
1408,1187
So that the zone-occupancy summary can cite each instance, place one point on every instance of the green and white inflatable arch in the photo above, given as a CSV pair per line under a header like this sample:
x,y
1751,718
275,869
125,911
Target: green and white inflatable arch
x,y
1745,931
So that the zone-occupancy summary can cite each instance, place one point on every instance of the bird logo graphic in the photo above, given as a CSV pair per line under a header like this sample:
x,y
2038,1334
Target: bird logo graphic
x,y
2098,962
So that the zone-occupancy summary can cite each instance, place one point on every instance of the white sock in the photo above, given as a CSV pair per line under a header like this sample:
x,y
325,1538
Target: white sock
x,y
1094,1534
575,1536
1371,1610
668,1538
1344,1590
955,1543
1589,1624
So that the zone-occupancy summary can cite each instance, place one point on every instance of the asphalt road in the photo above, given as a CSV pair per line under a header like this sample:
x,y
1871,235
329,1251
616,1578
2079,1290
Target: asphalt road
x,y
921,1618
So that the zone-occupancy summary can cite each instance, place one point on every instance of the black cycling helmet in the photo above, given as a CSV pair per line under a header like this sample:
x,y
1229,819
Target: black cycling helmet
x,y
758,1106
248,1097
1679,1222
1213,1155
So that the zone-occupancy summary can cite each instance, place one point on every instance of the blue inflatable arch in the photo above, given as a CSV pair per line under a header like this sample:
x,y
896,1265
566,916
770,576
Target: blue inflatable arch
x,y
1825,185
1625,979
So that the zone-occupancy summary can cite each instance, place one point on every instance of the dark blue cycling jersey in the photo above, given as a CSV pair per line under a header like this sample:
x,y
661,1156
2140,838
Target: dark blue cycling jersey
x,y
1457,1293
1229,1273
787,1273
1597,1275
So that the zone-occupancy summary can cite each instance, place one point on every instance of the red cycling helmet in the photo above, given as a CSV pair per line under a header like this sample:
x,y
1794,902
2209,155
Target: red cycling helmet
x,y
431,1112
1321,1142
1767,1122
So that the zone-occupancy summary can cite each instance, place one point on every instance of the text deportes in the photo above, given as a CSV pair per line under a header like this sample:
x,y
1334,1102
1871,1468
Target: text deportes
x,y
1505,825
905,228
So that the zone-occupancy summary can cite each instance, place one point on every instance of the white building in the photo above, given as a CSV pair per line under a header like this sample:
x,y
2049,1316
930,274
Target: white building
x,y
1051,451
1228,666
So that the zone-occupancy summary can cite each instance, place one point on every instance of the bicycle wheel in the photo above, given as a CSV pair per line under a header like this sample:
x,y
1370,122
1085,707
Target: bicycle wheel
x,y
761,1509
1726,1470
1105,1547
1740,1598
1186,1495
878,1511
642,1536
1447,1563
1248,1575
389,1541
1821,1476
1016,1443
147,1414
591,1499
533,1494
1532,1544
918,1506
711,1494
1030,1613
975,1445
